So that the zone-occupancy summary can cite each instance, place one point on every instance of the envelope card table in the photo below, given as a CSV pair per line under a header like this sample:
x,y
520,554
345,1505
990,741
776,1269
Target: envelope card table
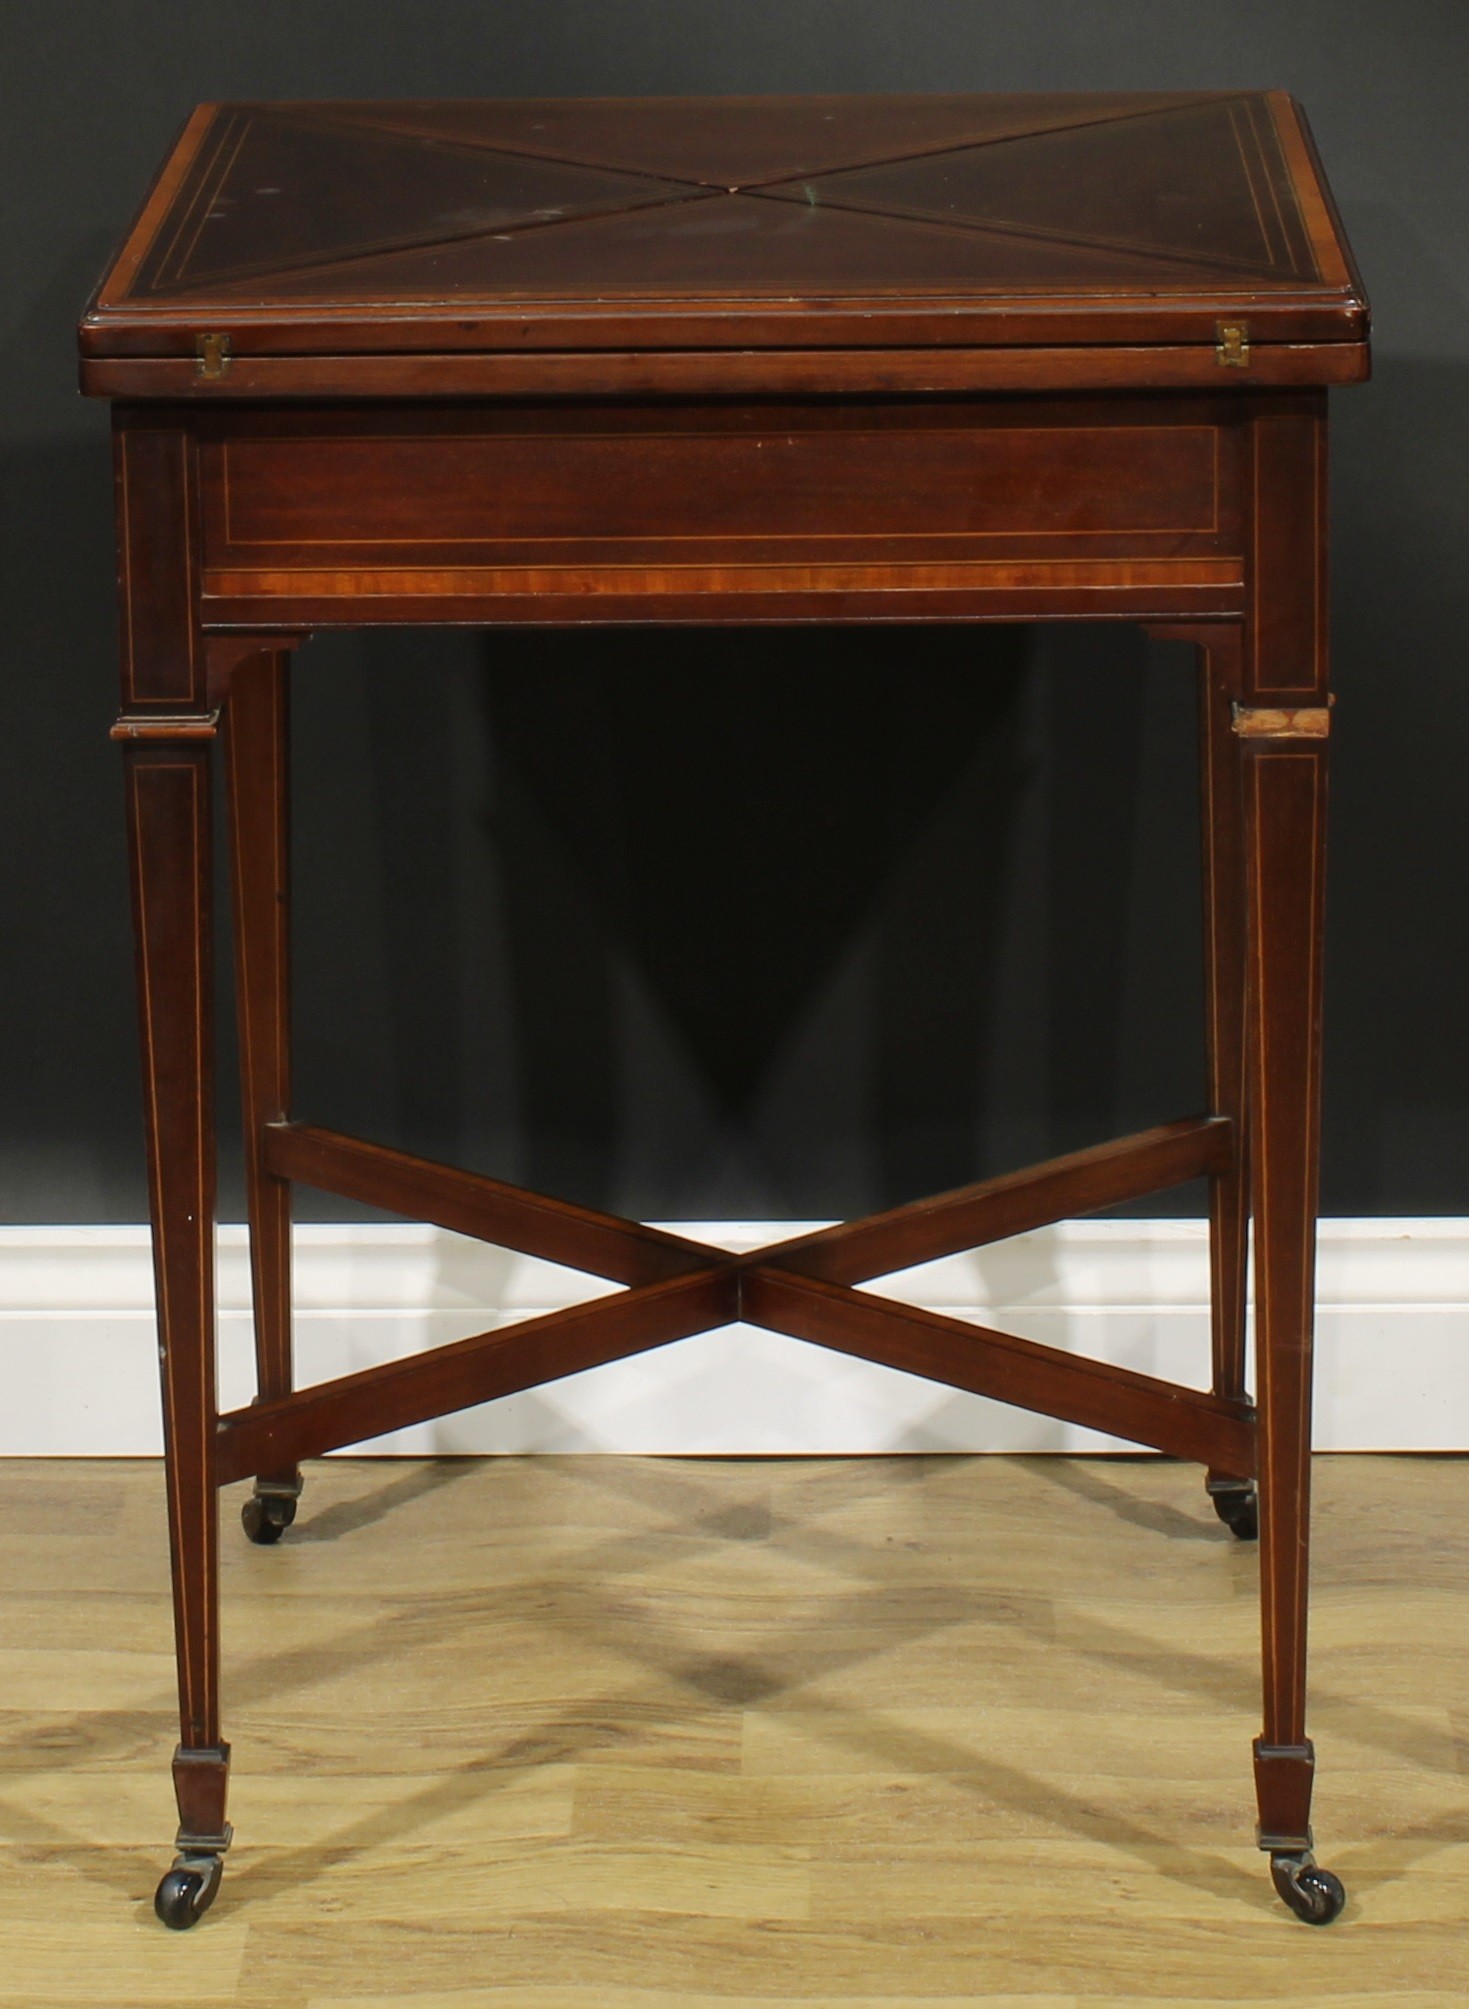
x,y
948,358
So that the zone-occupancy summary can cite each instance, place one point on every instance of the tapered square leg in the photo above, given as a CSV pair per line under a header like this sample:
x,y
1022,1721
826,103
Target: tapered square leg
x,y
1220,648
168,815
1221,670
256,740
1285,816
1285,792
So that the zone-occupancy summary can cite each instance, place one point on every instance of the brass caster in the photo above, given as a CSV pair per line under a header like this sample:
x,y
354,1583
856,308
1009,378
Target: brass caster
x,y
188,1890
1312,1893
266,1516
1238,1506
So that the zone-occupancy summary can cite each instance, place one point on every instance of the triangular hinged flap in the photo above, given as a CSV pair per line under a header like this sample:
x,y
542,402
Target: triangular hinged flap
x,y
1203,183
283,190
730,143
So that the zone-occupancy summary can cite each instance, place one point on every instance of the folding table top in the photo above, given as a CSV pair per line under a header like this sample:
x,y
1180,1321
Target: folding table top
x,y
1045,224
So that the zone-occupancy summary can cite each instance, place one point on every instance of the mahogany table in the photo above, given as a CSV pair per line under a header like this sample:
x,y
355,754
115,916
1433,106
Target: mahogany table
x,y
747,360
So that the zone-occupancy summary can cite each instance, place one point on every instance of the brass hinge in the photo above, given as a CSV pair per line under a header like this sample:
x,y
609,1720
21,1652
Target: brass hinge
x,y
1232,348
212,355
1294,722
135,726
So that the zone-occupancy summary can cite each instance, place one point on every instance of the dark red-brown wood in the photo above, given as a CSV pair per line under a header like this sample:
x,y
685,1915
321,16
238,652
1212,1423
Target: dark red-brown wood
x,y
169,834
1181,1421
491,1364
1284,789
1084,1182
256,743
1079,223
1221,689
838,360
469,1204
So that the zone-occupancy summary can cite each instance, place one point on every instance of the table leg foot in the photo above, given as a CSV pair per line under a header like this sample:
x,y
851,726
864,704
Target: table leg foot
x,y
266,1516
201,1783
1237,1504
270,1509
1312,1893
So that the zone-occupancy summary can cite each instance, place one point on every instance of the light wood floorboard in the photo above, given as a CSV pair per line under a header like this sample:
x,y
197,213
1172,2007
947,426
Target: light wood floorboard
x,y
599,1733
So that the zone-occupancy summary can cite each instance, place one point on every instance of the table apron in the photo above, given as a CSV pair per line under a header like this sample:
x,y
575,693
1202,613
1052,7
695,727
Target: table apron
x,y
887,509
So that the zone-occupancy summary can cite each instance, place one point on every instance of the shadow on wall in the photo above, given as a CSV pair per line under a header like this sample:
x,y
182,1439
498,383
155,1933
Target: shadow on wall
x,y
737,809
778,923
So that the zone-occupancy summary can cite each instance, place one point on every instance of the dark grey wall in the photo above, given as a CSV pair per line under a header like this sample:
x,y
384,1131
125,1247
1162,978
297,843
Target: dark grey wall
x,y
776,924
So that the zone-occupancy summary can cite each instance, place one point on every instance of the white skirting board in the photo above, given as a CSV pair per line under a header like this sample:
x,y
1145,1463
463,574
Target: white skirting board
x,y
78,1349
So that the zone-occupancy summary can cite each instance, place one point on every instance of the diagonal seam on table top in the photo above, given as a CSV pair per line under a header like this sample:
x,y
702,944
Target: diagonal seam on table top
x,y
1278,256
973,143
685,189
249,276
206,190
1032,233
228,293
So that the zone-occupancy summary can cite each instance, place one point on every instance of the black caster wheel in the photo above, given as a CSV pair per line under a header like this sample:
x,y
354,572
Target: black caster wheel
x,y
188,1890
265,1518
1312,1893
1239,1509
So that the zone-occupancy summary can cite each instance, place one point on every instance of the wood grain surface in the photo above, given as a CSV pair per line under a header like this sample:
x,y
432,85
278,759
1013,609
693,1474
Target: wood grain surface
x,y
598,1733
1055,226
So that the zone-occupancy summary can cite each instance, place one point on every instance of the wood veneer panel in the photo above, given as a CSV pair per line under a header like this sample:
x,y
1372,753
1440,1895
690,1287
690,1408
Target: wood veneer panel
x,y
712,487
1204,185
733,142
282,191
766,245
1287,508
157,504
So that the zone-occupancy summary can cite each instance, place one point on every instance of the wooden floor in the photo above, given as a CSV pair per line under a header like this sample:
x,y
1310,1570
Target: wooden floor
x,y
599,1733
